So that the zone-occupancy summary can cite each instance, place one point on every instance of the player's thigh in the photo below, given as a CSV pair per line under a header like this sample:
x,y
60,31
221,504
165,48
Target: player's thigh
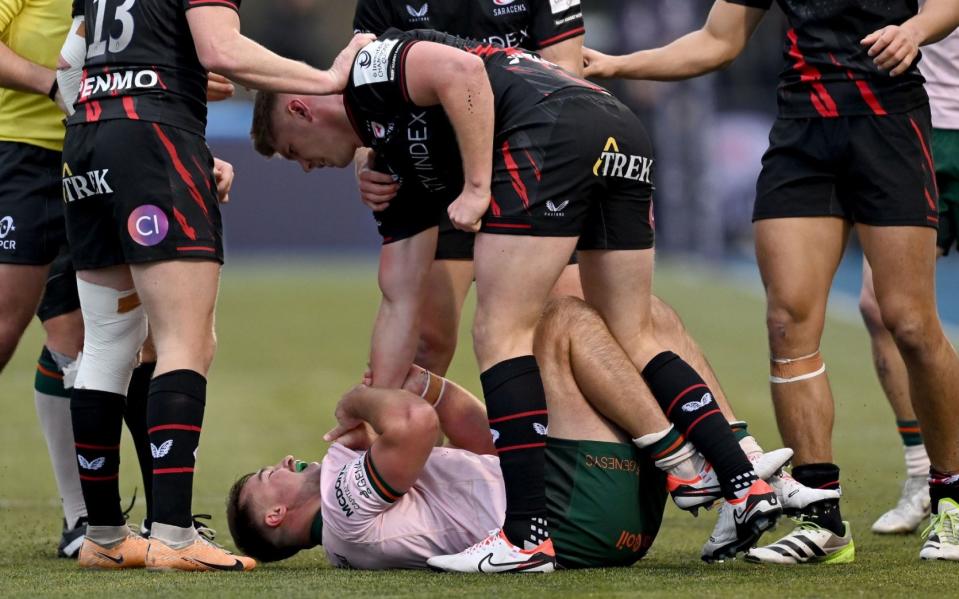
x,y
514,276
798,258
179,297
568,283
903,261
604,502
618,283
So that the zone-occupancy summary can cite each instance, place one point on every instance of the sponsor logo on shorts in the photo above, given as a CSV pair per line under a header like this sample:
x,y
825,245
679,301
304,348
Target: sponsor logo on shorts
x,y
418,15
634,541
7,227
698,404
148,225
613,163
608,462
554,209
114,82
89,184
508,7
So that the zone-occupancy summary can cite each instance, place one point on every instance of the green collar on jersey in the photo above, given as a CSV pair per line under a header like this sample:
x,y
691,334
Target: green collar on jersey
x,y
316,529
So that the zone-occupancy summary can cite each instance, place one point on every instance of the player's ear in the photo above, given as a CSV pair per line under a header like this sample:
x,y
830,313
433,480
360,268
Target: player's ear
x,y
275,516
299,109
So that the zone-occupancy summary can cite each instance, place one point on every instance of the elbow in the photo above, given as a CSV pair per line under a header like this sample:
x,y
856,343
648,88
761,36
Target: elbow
x,y
216,56
418,421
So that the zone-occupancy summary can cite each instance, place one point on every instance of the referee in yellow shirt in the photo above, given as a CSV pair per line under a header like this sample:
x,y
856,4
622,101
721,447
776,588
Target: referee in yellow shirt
x,y
32,231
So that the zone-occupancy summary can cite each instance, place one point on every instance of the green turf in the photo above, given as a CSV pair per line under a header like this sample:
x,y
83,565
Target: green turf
x,y
292,338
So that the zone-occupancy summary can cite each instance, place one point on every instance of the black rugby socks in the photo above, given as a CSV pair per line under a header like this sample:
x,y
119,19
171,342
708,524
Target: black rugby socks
x,y
689,405
824,513
136,419
97,423
174,419
516,407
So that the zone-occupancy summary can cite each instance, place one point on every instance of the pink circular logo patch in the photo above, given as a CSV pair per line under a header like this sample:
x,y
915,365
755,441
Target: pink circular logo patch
x,y
148,225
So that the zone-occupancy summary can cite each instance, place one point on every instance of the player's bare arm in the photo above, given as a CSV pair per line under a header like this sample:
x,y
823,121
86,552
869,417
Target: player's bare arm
x,y
223,49
404,266
21,74
438,74
406,427
567,54
895,47
462,415
726,32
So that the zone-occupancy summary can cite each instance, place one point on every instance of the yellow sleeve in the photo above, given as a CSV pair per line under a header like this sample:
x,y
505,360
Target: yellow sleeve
x,y
9,9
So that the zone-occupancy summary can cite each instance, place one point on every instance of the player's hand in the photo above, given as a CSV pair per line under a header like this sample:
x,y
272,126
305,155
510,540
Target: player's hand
x,y
360,438
223,174
466,212
344,418
340,71
218,88
597,64
376,188
893,48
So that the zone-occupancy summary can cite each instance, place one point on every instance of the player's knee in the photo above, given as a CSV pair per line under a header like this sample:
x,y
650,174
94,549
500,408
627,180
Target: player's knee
x,y
115,326
664,317
913,331
790,327
65,331
869,309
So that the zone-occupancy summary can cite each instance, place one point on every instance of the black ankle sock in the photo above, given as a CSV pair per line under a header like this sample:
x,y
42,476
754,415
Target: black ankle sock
x,y
942,486
516,406
689,405
97,423
174,417
136,419
824,513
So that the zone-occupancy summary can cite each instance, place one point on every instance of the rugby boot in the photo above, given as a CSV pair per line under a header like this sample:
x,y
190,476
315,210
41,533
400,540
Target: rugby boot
x,y
942,535
808,543
497,555
704,489
913,507
741,522
72,539
127,553
794,496
200,555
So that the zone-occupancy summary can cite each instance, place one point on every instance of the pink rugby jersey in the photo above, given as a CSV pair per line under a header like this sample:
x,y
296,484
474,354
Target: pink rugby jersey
x,y
456,501
940,67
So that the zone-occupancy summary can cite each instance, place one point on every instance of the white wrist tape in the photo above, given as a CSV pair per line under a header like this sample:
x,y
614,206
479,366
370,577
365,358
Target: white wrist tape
x,y
73,52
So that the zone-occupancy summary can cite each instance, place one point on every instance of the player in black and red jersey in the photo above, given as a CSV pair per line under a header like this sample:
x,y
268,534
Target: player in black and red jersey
x,y
144,225
850,148
565,162
555,30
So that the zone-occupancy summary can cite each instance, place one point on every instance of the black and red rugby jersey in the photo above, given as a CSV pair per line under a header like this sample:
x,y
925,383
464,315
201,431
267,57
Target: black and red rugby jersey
x,y
828,73
141,63
532,24
418,144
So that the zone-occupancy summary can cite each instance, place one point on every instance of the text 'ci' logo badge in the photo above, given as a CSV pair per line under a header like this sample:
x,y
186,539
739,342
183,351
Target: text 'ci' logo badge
x,y
148,225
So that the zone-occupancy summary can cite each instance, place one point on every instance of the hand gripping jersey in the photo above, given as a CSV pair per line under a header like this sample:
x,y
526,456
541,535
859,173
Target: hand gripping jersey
x,y
418,144
141,63
456,500
828,73
533,24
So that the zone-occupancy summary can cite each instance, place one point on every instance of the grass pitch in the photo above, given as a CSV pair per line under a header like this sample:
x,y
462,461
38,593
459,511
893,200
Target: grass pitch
x,y
294,337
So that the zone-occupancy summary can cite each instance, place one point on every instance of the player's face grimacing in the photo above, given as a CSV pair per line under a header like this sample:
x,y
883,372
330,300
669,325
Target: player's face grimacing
x,y
313,131
284,483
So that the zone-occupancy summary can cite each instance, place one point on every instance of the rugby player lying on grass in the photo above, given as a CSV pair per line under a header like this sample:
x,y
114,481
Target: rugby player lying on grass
x,y
385,497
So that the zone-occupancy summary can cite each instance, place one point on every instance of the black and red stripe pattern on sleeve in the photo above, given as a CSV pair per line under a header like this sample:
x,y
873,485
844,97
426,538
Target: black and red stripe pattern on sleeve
x,y
234,4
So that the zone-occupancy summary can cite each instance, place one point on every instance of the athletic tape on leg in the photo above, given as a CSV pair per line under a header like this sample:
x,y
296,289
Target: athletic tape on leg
x,y
115,326
792,370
